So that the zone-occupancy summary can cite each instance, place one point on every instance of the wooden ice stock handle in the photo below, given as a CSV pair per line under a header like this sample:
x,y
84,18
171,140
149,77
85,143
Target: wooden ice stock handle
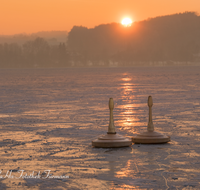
x,y
150,127
111,127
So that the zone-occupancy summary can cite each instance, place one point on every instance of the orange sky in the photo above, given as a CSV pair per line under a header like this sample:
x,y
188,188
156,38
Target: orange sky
x,y
29,16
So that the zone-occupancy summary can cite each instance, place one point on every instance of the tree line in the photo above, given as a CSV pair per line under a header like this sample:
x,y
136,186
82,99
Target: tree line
x,y
168,38
34,53
165,38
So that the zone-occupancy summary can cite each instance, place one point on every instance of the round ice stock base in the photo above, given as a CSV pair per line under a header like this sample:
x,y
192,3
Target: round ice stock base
x,y
151,138
111,141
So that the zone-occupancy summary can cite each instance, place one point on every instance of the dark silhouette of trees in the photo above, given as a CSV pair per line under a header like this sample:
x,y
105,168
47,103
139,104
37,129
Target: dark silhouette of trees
x,y
9,54
97,43
172,37
34,53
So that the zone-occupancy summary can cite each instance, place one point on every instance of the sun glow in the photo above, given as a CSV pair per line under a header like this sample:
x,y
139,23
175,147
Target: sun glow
x,y
126,22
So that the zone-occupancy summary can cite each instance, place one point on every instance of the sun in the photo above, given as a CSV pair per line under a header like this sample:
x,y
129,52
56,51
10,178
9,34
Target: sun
x,y
126,22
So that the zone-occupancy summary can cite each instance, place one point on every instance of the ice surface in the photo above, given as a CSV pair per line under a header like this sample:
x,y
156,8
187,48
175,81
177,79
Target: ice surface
x,y
48,118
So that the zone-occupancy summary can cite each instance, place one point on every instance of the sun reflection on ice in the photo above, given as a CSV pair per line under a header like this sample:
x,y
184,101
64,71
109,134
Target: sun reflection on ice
x,y
129,120
126,79
129,171
125,172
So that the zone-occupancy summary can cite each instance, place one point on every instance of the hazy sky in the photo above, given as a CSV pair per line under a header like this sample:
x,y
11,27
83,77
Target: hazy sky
x,y
29,16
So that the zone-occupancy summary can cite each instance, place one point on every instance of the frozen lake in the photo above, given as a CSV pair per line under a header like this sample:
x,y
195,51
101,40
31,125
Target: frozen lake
x,y
48,118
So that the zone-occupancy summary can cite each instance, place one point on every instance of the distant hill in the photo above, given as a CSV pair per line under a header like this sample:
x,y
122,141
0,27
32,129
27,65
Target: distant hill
x,y
52,37
166,38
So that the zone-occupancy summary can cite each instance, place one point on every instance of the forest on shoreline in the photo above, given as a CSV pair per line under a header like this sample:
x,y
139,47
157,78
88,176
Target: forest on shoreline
x,y
165,40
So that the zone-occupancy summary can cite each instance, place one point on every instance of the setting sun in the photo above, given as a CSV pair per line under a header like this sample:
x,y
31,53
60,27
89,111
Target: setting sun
x,y
126,22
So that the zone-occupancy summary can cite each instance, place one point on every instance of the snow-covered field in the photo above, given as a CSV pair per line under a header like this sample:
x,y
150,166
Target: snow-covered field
x,y
48,118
